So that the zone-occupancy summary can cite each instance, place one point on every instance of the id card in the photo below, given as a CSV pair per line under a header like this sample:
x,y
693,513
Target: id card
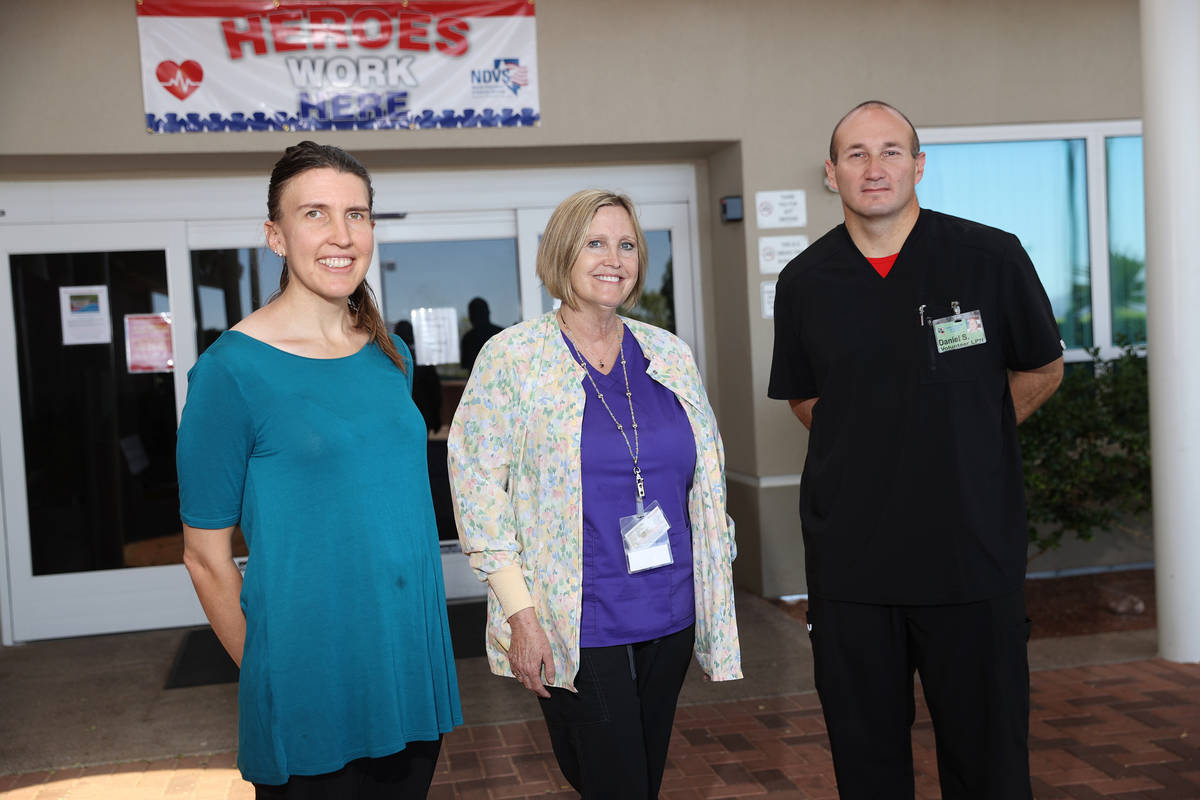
x,y
646,540
958,331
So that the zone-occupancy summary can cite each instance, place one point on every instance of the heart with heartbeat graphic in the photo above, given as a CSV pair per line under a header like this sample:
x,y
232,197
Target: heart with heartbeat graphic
x,y
179,79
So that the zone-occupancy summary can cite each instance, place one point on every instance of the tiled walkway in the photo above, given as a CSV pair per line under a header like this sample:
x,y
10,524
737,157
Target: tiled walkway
x,y
1122,731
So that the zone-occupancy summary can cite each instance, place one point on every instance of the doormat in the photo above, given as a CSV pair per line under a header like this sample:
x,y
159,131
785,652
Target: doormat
x,y
202,661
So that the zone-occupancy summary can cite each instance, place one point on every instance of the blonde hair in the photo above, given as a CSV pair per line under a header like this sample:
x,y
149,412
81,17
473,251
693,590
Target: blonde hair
x,y
566,234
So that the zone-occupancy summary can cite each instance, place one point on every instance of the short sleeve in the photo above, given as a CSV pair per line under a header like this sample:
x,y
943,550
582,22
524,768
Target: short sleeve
x,y
1031,335
216,437
791,373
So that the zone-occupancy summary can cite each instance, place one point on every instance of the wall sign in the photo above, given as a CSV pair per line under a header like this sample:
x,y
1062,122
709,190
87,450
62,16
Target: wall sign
x,y
774,252
300,65
785,209
766,293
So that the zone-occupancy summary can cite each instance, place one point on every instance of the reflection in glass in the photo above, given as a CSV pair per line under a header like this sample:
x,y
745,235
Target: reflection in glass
x,y
228,285
1126,239
99,441
448,274
1036,190
657,304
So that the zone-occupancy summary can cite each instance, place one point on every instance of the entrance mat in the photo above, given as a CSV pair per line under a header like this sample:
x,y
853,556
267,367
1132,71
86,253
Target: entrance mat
x,y
201,660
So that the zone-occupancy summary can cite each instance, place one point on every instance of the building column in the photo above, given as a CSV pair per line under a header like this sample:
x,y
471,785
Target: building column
x,y
1171,142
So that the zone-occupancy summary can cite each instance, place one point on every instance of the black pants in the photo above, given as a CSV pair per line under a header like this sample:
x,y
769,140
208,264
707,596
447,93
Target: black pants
x,y
400,776
611,737
975,675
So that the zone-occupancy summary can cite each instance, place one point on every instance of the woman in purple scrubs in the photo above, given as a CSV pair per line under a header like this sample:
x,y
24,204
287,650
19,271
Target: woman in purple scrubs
x,y
588,475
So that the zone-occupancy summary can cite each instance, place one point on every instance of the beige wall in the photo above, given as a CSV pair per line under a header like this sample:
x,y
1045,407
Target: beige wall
x,y
746,90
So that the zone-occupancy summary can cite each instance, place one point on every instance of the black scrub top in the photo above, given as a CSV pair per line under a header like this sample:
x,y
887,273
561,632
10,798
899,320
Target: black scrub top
x,y
912,491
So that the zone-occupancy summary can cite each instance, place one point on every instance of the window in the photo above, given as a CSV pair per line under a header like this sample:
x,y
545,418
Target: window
x,y
227,285
1126,238
450,273
1037,190
1072,193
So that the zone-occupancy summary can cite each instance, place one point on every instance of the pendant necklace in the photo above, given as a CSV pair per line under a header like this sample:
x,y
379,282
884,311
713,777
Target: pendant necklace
x,y
578,347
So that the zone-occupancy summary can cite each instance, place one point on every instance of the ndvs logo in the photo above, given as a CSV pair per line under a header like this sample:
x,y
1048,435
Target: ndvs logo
x,y
505,74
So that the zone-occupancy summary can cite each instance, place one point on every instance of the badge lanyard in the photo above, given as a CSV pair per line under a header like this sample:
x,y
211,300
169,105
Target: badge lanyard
x,y
635,450
644,534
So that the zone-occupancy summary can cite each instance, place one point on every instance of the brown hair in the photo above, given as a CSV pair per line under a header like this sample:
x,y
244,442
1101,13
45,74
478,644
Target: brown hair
x,y
566,234
298,159
916,141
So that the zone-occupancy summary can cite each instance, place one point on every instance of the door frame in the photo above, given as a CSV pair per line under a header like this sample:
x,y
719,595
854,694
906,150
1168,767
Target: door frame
x,y
80,603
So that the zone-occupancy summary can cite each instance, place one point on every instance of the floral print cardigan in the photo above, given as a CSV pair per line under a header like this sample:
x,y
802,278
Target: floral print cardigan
x,y
515,472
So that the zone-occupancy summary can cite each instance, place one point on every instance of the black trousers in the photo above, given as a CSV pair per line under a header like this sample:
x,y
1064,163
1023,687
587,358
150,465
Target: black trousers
x,y
401,776
611,737
975,676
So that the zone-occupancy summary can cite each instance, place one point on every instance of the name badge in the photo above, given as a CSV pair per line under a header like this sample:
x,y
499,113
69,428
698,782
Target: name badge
x,y
958,331
646,540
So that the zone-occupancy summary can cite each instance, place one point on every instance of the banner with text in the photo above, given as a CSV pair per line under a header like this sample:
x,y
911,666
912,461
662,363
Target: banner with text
x,y
280,65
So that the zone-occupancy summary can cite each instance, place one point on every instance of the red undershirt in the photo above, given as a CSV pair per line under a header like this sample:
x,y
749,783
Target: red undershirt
x,y
883,265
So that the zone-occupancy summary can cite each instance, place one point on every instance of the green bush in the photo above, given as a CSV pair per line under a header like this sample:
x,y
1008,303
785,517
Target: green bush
x,y
1086,451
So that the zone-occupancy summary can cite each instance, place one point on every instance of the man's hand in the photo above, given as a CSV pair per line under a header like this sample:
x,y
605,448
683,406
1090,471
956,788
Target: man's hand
x,y
1032,388
803,409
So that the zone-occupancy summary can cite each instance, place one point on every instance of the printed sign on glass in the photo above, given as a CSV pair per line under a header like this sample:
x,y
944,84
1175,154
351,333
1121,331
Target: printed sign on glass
x,y
148,343
83,312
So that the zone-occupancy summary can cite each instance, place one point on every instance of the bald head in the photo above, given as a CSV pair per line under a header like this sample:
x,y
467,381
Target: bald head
x,y
833,147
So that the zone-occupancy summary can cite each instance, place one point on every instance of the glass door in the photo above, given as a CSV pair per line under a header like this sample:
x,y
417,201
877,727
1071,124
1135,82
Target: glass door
x,y
449,281
110,289
91,394
231,273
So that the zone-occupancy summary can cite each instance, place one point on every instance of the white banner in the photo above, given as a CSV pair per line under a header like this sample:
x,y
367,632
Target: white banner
x,y
298,65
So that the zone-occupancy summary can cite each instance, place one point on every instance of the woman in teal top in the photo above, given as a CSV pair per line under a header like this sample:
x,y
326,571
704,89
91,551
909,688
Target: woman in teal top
x,y
299,427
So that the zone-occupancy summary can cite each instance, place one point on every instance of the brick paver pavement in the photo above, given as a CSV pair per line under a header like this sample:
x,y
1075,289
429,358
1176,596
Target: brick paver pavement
x,y
1114,732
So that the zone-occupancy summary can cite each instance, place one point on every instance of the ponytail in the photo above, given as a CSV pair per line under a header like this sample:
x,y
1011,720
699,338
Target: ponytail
x,y
365,312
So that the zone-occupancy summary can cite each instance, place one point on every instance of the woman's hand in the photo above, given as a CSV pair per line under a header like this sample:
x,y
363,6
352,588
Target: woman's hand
x,y
529,652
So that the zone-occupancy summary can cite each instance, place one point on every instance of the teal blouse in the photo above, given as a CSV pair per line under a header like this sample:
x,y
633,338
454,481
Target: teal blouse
x,y
322,462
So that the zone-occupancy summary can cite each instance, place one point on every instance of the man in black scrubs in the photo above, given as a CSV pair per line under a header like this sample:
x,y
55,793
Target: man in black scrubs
x,y
911,344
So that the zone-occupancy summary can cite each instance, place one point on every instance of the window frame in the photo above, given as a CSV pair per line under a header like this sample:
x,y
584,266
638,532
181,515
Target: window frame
x,y
1095,135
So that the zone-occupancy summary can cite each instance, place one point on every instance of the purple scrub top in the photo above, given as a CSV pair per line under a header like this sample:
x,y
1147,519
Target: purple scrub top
x,y
620,608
